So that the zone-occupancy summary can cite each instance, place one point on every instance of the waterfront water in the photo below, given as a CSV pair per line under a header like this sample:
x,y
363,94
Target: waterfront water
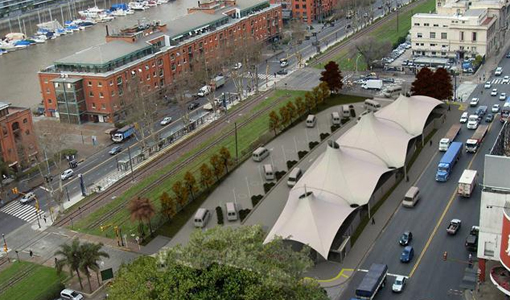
x,y
18,70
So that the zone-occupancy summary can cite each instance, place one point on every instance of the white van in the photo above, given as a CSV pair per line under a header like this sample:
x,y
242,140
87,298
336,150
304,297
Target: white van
x,y
269,172
372,105
259,154
294,176
231,211
201,217
346,111
391,90
310,121
412,196
335,118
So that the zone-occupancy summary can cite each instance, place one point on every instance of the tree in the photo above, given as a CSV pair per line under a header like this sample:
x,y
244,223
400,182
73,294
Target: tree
x,y
284,116
217,166
142,210
317,96
206,176
71,257
292,110
300,106
443,84
91,254
309,101
191,183
274,121
220,263
372,49
168,207
332,76
424,83
181,193
225,157
324,91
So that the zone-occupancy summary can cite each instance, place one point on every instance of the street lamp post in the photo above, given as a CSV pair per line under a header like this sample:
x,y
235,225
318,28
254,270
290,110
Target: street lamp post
x,y
131,164
5,247
359,55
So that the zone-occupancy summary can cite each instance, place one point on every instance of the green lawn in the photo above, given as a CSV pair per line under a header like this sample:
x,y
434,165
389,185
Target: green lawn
x,y
42,283
247,136
388,32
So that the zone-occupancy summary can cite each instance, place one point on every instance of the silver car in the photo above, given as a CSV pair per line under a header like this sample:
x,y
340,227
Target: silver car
x,y
398,285
28,197
66,174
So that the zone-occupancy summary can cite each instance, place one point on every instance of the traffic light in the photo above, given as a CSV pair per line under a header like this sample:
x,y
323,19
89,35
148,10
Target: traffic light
x,y
445,255
5,248
14,190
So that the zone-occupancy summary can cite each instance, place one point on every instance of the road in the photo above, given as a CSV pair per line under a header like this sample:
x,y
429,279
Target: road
x,y
430,276
100,164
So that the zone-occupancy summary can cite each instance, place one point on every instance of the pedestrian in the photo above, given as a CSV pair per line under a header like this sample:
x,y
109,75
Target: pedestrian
x,y
31,253
448,107
274,74
373,221
430,143
56,261
482,91
44,218
407,178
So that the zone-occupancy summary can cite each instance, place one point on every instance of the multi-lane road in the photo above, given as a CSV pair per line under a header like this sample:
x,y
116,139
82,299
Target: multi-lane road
x,y
430,277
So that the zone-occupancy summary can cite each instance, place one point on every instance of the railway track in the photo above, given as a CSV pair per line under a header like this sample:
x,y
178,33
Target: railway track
x,y
122,185
332,52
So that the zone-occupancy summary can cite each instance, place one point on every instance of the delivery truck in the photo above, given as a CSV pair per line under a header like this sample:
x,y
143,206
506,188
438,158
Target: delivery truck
x,y
123,134
450,136
373,84
467,183
448,161
476,140
374,280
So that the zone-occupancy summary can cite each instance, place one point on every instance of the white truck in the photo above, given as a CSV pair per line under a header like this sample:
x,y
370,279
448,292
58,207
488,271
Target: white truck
x,y
467,183
476,140
217,82
373,84
450,136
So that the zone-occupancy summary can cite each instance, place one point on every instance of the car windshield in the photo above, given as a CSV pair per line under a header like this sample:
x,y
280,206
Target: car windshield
x,y
398,281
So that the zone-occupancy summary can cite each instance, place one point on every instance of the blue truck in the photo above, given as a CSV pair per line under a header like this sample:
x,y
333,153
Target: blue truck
x,y
374,280
448,161
123,134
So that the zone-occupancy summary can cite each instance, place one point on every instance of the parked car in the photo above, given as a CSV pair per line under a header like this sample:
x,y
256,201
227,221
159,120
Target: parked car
x,y
68,294
495,108
28,197
494,92
398,285
115,150
502,96
489,118
282,72
487,85
464,117
407,255
474,102
406,238
166,121
284,62
237,66
499,71
508,55
193,105
67,174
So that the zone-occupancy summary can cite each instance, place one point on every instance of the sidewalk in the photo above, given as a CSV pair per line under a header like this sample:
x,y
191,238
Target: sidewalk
x,y
334,275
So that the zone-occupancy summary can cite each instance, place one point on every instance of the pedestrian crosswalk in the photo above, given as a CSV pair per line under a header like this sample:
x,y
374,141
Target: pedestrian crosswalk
x,y
25,212
500,81
263,76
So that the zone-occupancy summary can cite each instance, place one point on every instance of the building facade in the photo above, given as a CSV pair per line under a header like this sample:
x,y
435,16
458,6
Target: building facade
x,y
89,85
460,29
312,10
18,142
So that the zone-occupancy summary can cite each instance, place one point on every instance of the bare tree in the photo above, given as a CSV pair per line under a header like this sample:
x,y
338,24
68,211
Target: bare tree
x,y
296,35
184,85
372,49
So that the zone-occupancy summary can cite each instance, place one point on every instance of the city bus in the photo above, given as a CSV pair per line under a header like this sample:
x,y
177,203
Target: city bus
x,y
505,110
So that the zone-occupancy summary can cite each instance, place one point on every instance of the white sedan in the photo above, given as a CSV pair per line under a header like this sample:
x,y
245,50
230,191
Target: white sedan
x,y
494,92
27,198
398,285
166,121
495,108
502,96
506,79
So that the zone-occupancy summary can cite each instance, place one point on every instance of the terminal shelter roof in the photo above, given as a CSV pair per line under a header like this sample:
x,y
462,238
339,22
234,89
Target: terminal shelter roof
x,y
410,113
347,173
377,137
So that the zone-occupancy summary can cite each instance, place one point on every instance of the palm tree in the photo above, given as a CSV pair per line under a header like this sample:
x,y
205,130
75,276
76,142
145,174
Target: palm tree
x,y
91,255
142,209
72,258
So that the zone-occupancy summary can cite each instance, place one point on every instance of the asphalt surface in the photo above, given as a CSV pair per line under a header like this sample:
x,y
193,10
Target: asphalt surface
x,y
431,277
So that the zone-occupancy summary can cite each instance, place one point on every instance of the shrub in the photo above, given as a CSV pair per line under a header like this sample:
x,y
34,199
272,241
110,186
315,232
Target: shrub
x,y
290,164
268,186
255,199
345,120
312,145
243,213
68,152
279,174
324,135
219,215
302,154
334,127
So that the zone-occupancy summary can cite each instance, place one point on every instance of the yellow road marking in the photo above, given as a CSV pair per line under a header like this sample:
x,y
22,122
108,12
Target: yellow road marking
x,y
441,218
341,274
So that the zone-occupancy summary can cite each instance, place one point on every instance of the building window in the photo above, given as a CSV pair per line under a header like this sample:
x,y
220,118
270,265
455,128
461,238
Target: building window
x,y
103,106
49,101
297,6
304,6
419,35
148,77
473,49
417,44
416,24
101,95
160,62
462,35
113,93
111,82
474,36
25,120
91,94
154,74
443,53
89,83
432,35
119,80
45,80
436,25
173,67
433,45
146,67
172,56
99,84
27,132
426,24
93,105
47,90
444,36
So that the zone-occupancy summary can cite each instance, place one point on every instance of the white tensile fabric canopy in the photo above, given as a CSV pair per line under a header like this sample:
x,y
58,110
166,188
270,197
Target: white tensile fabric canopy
x,y
347,173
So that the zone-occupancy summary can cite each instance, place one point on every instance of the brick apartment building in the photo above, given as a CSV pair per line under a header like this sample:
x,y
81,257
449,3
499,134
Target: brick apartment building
x,y
88,86
312,10
18,142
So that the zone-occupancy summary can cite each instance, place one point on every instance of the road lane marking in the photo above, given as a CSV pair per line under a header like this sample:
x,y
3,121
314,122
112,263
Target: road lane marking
x,y
340,274
441,218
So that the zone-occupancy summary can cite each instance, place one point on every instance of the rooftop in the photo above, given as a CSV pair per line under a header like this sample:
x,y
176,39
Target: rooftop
x,y
192,21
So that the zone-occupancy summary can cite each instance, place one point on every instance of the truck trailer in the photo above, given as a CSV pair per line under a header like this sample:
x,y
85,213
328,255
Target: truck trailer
x,y
372,282
467,183
450,136
448,161
373,84
123,134
476,140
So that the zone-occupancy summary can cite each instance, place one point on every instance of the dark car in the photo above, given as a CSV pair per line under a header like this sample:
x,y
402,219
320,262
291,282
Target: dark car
x,y
193,105
481,111
407,255
406,238
508,55
388,80
115,150
489,118
282,72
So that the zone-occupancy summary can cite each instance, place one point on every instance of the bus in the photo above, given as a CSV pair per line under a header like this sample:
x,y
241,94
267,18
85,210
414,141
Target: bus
x,y
505,110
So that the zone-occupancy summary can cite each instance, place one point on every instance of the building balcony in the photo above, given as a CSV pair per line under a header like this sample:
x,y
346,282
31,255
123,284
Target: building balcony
x,y
500,277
